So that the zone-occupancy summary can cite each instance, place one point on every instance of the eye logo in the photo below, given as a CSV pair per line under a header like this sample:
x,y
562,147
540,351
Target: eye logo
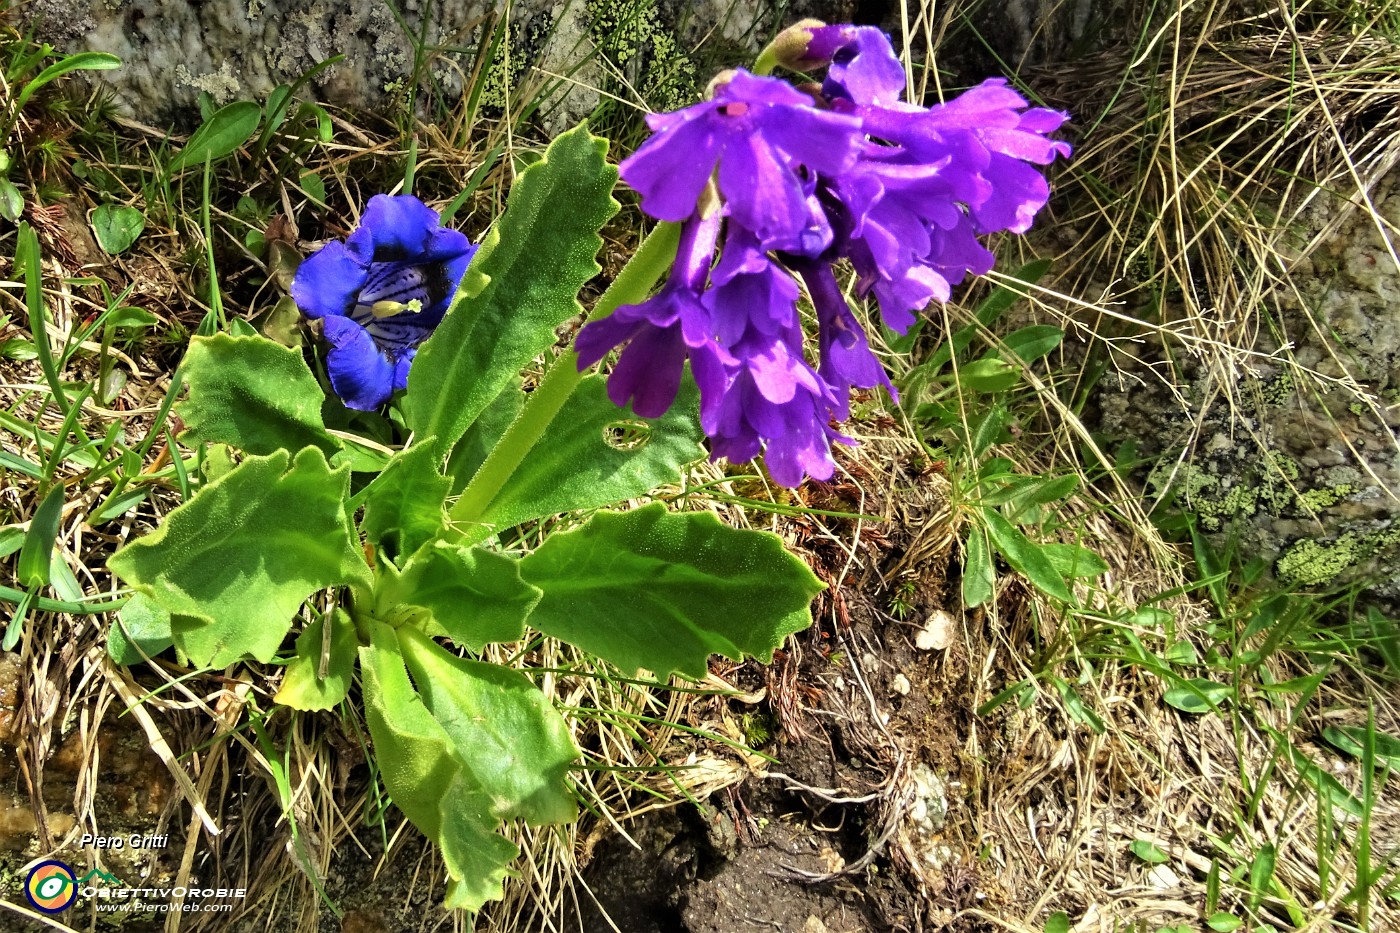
x,y
51,887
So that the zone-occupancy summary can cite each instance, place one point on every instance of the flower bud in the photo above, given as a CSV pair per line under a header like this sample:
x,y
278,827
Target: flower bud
x,y
790,48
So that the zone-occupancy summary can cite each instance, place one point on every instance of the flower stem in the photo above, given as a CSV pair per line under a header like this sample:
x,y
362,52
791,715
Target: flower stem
x,y
631,286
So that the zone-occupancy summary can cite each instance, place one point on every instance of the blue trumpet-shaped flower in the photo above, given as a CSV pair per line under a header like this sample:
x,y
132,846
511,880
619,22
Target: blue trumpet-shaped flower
x,y
380,293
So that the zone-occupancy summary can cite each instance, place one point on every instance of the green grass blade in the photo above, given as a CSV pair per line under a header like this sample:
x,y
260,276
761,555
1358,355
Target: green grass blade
x,y
37,553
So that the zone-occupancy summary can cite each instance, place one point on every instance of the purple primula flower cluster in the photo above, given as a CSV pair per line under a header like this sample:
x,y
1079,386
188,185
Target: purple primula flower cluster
x,y
805,179
380,293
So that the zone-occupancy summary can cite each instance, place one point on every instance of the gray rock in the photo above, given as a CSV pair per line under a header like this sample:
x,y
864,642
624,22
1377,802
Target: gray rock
x,y
1301,469
242,49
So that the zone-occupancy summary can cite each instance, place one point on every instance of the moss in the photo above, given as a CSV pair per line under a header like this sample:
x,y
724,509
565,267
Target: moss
x,y
1284,466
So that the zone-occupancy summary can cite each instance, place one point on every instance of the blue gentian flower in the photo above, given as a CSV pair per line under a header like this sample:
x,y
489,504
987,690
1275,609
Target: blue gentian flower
x,y
900,191
380,293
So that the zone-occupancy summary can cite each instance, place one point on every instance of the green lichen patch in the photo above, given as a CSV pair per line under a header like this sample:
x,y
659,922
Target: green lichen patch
x,y
631,35
1314,563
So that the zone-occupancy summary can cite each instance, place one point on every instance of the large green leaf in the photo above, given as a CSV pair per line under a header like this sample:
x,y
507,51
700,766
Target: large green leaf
x,y
233,565
304,686
404,503
486,431
648,589
474,596
535,259
426,778
509,735
594,453
253,394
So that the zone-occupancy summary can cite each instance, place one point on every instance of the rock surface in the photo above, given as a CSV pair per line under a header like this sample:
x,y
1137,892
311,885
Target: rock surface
x,y
641,50
242,49
1302,467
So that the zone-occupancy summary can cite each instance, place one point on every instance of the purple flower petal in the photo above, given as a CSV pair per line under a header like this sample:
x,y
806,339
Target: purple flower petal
x,y
327,282
864,67
361,373
759,131
400,227
846,357
648,374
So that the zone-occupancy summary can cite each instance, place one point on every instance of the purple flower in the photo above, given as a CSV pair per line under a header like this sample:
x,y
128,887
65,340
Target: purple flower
x,y
380,293
907,237
846,358
760,132
864,68
661,331
774,402
986,144
902,192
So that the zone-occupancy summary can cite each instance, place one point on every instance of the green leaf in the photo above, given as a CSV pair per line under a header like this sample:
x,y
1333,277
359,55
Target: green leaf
x,y
221,135
314,187
404,503
11,201
117,227
594,454
1073,561
281,323
979,576
140,622
304,686
128,317
535,259
36,554
647,589
1031,343
427,780
508,734
992,307
473,595
1151,617
14,629
1026,557
81,61
1261,874
1058,922
1352,739
1074,705
1224,923
1328,788
988,375
1386,637
11,537
486,431
233,564
1032,491
1181,652
989,429
253,394
1148,852
1198,695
